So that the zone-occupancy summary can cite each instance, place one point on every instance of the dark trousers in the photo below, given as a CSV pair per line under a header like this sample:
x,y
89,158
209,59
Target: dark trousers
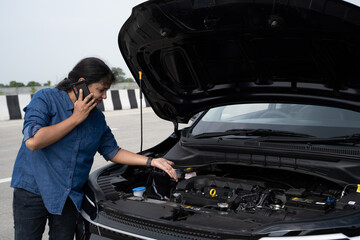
x,y
30,217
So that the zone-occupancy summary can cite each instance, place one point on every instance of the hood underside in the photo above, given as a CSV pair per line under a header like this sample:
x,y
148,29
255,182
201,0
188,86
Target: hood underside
x,y
196,54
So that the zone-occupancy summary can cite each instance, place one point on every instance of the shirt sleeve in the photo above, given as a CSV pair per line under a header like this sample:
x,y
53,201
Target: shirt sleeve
x,y
108,145
37,115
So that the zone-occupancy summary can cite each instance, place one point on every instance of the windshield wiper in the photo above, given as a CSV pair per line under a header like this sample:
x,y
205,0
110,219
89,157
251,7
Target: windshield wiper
x,y
341,139
252,132
354,138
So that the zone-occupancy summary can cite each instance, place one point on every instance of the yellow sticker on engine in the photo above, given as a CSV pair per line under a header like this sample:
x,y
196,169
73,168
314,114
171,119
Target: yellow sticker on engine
x,y
212,192
358,189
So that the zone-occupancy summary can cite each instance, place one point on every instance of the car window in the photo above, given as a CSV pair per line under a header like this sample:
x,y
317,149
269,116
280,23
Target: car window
x,y
232,111
320,121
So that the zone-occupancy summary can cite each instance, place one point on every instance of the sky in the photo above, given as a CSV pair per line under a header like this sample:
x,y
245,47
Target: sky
x,y
42,40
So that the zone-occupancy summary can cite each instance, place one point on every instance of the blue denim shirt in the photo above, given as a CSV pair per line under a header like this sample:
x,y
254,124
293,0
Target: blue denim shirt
x,y
61,169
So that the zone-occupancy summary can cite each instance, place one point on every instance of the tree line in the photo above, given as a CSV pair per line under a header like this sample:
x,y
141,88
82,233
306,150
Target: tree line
x,y
118,73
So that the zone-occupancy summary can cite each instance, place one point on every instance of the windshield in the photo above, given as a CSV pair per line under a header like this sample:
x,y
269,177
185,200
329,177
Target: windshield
x,y
317,121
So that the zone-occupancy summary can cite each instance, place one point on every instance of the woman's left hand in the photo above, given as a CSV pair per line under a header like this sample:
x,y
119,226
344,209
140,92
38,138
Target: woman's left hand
x,y
129,158
166,166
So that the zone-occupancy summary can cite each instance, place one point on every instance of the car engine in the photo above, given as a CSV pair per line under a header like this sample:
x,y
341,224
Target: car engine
x,y
237,190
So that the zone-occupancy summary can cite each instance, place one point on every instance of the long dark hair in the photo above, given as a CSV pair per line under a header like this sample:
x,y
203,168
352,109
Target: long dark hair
x,y
92,69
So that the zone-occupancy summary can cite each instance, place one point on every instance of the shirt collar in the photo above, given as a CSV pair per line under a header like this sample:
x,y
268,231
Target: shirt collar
x,y
68,102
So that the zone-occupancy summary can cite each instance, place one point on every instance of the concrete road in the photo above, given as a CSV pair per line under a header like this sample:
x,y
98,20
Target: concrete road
x,y
125,125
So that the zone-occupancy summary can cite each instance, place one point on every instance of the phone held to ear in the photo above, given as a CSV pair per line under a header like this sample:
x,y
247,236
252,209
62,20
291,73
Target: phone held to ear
x,y
80,85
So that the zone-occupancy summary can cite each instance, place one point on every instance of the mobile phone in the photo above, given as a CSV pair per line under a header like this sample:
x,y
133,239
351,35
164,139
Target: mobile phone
x,y
81,85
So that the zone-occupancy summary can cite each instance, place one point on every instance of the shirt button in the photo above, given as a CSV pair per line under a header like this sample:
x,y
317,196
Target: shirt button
x,y
68,189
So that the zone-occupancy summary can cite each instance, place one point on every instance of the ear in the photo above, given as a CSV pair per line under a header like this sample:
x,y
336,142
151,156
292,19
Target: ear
x,y
81,79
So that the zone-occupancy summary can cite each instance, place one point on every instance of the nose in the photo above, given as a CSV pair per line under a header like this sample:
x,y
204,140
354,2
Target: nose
x,y
104,96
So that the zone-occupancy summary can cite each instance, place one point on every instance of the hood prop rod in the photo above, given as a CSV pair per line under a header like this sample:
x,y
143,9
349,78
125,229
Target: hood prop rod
x,y
141,113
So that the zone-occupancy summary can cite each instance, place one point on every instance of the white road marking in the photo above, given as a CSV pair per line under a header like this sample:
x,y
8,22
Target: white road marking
x,y
4,180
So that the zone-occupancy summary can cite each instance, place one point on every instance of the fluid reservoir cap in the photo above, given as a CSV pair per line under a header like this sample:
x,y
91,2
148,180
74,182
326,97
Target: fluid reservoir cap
x,y
139,189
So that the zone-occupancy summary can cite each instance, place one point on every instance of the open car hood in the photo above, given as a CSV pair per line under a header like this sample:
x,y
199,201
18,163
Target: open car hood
x,y
196,54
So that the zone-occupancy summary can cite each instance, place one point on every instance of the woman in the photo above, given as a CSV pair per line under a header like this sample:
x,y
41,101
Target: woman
x,y
61,136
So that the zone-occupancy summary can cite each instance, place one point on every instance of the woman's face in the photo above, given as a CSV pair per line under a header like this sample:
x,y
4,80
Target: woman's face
x,y
99,90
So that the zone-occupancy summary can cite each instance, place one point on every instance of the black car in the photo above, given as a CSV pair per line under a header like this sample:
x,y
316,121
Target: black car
x,y
273,90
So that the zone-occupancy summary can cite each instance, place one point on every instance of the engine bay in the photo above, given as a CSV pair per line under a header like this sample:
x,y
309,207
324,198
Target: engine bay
x,y
266,194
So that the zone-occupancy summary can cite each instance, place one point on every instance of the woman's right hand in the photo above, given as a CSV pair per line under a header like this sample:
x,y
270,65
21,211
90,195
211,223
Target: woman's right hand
x,y
83,107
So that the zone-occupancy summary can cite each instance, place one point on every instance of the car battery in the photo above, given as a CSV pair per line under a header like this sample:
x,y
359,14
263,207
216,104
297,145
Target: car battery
x,y
315,203
349,201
